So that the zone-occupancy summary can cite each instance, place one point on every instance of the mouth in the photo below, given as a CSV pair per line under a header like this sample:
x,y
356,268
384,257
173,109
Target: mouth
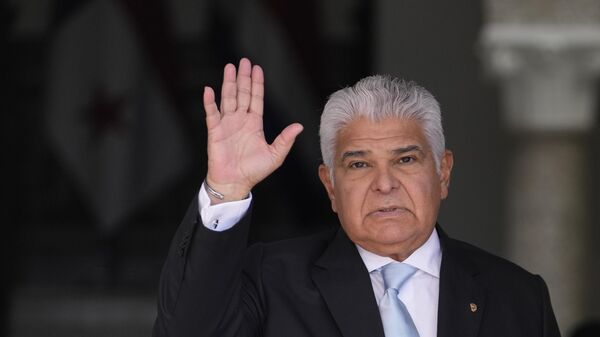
x,y
388,211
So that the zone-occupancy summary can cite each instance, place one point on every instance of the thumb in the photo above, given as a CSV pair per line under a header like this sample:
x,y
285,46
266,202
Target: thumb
x,y
282,145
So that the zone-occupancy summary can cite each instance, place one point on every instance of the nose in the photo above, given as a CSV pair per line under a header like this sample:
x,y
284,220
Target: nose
x,y
385,181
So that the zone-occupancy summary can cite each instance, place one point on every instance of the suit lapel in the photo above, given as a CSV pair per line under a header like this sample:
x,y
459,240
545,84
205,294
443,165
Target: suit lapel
x,y
462,298
345,285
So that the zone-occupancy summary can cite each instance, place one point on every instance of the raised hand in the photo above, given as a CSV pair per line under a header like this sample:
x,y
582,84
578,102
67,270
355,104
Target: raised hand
x,y
239,157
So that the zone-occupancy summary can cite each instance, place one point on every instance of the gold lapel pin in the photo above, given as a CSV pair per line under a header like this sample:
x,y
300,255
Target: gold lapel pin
x,y
473,307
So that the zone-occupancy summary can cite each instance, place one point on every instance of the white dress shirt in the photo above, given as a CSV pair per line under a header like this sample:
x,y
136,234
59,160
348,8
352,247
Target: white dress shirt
x,y
419,294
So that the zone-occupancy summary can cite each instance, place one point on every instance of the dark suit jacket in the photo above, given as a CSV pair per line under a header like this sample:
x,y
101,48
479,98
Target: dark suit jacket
x,y
212,285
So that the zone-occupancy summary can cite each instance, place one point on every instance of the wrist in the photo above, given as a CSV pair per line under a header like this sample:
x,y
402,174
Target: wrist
x,y
219,193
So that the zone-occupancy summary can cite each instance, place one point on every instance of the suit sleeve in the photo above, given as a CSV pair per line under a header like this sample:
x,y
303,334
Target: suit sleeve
x,y
203,289
550,326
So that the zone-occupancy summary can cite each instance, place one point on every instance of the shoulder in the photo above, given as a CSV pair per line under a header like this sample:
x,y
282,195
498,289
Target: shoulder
x,y
301,250
495,272
278,266
484,260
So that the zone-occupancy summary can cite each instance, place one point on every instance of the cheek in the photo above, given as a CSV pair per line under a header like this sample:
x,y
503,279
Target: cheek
x,y
422,190
427,196
349,200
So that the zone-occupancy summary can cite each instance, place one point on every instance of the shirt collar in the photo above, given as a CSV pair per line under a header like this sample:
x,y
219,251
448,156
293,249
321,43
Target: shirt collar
x,y
427,258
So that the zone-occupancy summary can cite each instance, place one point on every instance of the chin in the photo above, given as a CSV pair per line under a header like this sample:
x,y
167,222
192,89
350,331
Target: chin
x,y
391,233
394,238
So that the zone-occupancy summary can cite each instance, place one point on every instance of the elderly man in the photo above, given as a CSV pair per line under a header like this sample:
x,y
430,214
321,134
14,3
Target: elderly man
x,y
388,271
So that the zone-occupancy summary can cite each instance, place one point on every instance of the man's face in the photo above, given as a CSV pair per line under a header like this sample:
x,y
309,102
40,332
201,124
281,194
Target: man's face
x,y
386,189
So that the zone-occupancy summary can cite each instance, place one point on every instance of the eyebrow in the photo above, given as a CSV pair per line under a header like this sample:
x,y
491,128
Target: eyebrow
x,y
357,153
398,151
409,148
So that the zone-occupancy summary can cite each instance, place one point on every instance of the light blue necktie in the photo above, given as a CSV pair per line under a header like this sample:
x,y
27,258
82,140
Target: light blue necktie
x,y
394,316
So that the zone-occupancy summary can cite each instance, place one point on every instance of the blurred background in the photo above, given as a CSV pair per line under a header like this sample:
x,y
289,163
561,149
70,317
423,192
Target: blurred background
x,y
104,140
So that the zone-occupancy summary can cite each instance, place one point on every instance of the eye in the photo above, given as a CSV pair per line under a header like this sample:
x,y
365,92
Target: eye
x,y
357,164
406,160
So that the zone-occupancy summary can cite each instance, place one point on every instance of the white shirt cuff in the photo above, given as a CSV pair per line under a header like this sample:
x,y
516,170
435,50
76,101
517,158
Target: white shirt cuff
x,y
223,216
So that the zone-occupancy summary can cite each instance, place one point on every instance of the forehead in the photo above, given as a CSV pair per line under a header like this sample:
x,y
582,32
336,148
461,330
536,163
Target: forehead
x,y
363,134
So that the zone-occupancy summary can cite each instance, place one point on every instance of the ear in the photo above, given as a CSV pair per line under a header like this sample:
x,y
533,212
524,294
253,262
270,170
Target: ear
x,y
328,184
446,165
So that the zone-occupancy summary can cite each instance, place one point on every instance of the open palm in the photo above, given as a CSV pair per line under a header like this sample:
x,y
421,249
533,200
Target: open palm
x,y
239,156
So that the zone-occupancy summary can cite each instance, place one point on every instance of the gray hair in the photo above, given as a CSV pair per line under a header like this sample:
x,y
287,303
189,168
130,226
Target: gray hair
x,y
376,98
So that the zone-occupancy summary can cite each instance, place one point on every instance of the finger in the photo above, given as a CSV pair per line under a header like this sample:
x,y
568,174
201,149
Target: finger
x,y
283,143
213,117
258,90
228,90
244,84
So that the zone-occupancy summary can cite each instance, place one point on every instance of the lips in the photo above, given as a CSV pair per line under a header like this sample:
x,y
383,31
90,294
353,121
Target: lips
x,y
388,211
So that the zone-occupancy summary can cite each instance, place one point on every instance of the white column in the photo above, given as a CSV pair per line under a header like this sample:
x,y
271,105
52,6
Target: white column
x,y
547,74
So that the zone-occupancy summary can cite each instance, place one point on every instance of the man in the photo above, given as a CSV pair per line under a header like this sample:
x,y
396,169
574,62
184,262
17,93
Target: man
x,y
388,271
